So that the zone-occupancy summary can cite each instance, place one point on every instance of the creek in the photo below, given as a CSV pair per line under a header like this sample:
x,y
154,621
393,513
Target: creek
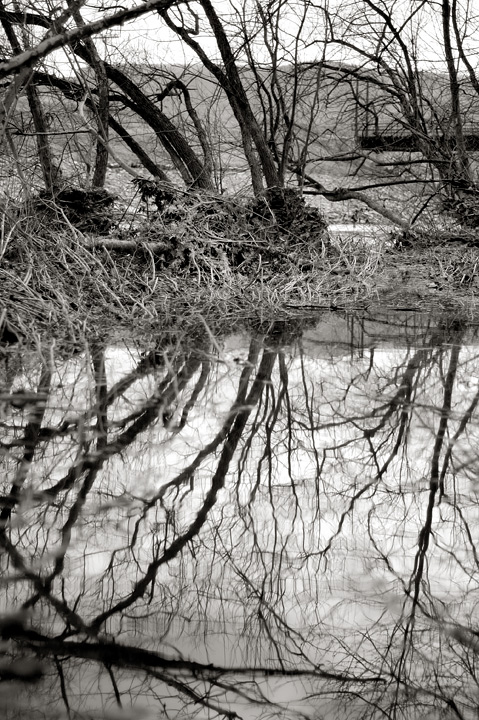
x,y
277,523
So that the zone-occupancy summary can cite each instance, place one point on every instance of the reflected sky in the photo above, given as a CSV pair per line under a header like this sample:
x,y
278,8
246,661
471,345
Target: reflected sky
x,y
279,523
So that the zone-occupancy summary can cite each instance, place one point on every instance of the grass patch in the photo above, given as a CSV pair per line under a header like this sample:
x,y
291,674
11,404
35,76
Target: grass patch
x,y
231,263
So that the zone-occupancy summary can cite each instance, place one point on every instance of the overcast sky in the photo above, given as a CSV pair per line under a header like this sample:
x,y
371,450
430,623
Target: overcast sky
x,y
147,38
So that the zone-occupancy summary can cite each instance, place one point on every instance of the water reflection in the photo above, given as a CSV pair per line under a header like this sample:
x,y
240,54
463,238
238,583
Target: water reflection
x,y
280,524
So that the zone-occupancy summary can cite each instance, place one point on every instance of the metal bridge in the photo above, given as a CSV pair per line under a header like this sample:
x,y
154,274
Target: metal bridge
x,y
379,124
394,137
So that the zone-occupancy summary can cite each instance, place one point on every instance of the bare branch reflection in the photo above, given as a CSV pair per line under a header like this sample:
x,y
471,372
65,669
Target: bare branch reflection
x,y
243,527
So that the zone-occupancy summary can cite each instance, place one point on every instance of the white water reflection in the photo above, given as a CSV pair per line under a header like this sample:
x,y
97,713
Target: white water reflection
x,y
367,233
312,540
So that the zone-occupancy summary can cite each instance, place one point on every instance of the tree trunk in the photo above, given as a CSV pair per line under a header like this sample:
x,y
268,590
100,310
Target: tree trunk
x,y
102,109
229,80
140,153
237,97
184,158
50,171
74,91
463,171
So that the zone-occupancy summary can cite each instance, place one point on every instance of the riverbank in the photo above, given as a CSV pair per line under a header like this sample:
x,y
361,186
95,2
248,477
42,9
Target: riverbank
x,y
65,284
231,263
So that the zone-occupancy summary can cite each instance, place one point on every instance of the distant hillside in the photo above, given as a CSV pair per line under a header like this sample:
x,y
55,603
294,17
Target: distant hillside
x,y
332,108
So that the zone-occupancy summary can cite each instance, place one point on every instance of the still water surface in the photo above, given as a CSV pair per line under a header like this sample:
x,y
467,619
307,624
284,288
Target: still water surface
x,y
282,523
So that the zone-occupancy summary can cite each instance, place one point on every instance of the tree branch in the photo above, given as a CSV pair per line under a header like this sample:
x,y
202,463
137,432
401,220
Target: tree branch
x,y
67,37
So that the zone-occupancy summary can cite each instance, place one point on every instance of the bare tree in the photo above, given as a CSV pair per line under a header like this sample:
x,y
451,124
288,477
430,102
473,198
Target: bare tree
x,y
189,166
406,97
363,97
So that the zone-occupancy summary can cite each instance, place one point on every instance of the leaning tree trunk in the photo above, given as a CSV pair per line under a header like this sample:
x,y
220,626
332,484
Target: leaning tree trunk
x,y
183,156
229,80
238,98
102,108
74,91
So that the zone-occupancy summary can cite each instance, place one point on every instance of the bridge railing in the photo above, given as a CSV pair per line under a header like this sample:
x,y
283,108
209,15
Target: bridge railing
x,y
396,135
394,127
